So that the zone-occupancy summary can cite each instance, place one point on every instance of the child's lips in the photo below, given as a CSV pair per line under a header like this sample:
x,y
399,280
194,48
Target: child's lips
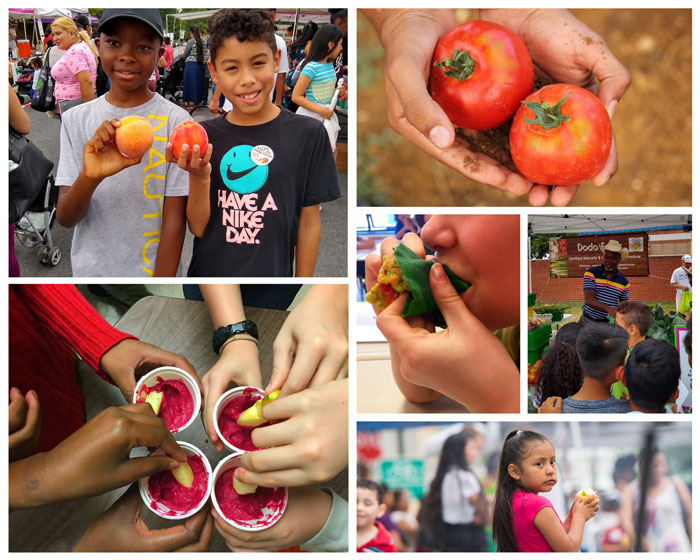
x,y
126,74
249,98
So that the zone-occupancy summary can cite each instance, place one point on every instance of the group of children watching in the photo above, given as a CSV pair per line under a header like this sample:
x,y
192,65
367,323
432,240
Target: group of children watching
x,y
606,368
252,199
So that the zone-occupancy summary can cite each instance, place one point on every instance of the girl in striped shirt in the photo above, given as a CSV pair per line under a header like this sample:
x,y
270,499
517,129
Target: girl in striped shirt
x,y
314,90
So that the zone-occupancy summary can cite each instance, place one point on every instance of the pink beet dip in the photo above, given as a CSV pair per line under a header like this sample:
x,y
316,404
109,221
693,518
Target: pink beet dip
x,y
247,509
238,436
177,405
169,492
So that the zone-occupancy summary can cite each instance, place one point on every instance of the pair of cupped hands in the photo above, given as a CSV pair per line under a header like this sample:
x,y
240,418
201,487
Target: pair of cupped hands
x,y
561,47
302,445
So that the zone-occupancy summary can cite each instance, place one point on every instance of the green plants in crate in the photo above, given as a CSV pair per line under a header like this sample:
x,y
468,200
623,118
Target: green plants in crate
x,y
662,324
557,311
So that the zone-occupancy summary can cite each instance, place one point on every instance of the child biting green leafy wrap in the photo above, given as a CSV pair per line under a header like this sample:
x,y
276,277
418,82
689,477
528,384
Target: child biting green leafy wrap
x,y
406,271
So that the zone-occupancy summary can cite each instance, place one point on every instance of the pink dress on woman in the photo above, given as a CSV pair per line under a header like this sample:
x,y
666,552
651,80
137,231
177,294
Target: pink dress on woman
x,y
78,57
526,506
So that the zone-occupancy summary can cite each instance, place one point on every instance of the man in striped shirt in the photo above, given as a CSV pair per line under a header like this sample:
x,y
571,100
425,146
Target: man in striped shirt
x,y
604,286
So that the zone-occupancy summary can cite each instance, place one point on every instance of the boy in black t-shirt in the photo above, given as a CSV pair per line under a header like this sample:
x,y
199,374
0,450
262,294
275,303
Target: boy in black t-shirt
x,y
255,194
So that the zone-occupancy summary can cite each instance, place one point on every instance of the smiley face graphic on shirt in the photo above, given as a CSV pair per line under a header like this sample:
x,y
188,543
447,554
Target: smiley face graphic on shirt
x,y
240,172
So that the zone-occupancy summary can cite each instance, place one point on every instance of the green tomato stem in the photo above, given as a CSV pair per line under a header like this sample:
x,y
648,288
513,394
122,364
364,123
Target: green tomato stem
x,y
547,116
459,66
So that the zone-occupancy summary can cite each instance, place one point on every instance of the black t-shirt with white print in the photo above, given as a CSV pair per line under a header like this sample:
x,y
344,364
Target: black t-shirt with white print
x,y
261,178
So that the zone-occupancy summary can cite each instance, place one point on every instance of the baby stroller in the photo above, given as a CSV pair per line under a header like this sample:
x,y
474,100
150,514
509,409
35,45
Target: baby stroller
x,y
34,227
170,86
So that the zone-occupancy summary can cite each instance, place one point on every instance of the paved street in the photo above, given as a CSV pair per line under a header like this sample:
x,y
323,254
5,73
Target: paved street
x,y
332,261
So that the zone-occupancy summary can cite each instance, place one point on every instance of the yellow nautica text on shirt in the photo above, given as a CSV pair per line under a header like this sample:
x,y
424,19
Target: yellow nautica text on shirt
x,y
153,183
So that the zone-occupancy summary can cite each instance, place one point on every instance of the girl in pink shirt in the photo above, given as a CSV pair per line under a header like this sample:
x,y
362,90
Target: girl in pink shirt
x,y
523,521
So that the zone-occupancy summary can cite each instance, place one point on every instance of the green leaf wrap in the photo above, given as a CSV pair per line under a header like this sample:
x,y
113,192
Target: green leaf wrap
x,y
416,272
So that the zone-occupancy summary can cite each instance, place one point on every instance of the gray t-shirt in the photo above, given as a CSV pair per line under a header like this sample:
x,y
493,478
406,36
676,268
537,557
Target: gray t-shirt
x,y
611,405
119,235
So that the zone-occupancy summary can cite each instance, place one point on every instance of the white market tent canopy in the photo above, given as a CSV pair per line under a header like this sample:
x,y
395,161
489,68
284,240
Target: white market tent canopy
x,y
585,223
293,16
598,223
37,14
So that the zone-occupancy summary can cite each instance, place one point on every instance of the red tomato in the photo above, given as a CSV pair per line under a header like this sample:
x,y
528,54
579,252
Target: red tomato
x,y
480,73
561,135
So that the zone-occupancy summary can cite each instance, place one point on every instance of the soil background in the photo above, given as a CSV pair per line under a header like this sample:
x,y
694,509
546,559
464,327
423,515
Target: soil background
x,y
652,123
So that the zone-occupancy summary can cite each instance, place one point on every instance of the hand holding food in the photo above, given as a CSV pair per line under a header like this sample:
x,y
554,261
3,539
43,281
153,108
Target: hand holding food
x,y
311,348
121,529
306,513
586,505
406,271
239,364
189,147
95,459
130,359
101,155
409,37
568,52
307,441
452,361
253,416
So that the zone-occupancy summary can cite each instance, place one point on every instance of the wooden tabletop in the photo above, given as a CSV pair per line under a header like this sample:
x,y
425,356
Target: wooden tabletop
x,y
177,325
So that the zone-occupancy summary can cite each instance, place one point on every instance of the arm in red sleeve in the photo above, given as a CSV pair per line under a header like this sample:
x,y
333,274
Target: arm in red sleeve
x,y
63,310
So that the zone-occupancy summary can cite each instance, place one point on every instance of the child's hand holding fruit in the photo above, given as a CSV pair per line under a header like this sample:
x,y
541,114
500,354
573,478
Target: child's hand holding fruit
x,y
102,156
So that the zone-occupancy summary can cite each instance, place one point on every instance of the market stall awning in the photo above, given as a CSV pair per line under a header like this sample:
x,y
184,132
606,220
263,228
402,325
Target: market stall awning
x,y
590,223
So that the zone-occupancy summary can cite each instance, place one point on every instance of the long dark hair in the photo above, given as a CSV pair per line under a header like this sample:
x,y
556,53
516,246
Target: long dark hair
x,y
515,448
451,456
560,372
307,34
319,49
194,29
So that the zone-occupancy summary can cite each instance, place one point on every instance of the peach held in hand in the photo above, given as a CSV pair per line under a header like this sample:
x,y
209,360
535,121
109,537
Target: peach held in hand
x,y
190,133
134,136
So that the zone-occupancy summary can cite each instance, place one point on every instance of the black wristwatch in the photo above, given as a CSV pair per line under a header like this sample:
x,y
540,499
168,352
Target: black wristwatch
x,y
222,334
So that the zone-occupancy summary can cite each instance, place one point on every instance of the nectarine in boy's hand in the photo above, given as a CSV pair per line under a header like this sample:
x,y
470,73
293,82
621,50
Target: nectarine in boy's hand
x,y
190,133
134,136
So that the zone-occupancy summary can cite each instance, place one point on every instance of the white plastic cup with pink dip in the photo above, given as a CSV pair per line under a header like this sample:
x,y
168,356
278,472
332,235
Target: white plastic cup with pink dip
x,y
172,379
248,512
230,404
165,497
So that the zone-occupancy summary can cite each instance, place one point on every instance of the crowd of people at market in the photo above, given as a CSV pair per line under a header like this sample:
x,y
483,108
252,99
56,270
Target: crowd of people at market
x,y
461,509
116,71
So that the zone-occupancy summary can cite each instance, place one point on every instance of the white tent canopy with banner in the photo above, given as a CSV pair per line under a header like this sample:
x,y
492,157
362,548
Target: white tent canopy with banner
x,y
599,223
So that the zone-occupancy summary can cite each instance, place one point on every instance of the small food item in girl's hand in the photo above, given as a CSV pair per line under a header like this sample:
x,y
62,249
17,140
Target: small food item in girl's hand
x,y
585,493
242,487
155,399
406,271
252,416
184,475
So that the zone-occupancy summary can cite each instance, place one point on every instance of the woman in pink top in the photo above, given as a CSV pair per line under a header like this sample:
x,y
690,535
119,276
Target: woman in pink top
x,y
76,71
523,521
